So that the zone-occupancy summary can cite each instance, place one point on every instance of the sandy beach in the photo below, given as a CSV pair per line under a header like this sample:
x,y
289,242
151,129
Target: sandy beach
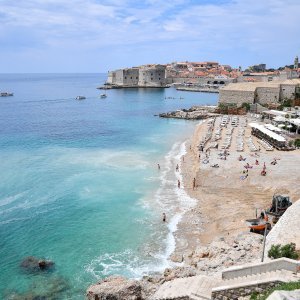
x,y
224,197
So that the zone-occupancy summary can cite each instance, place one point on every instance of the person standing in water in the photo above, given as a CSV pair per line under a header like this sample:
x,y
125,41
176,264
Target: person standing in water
x,y
158,166
164,217
178,183
194,183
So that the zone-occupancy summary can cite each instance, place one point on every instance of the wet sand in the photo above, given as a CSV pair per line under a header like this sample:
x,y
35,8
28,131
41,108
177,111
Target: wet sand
x,y
224,200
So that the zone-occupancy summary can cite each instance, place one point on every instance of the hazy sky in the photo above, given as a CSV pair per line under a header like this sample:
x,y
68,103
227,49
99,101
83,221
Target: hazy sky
x,y
97,36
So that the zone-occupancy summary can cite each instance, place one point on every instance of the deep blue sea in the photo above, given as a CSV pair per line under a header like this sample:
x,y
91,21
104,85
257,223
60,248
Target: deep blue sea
x,y
79,183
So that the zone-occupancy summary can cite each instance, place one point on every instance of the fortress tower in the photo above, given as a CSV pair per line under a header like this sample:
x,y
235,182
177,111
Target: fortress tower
x,y
296,62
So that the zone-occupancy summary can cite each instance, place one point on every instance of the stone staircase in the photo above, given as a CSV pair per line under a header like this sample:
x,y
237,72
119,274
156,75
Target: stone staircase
x,y
233,283
196,287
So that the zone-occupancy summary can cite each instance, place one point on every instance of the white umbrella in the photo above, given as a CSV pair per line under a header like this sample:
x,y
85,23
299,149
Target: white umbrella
x,y
281,125
289,126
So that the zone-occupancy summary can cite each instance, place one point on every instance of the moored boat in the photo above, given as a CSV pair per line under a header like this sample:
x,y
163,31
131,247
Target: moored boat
x,y
6,94
103,96
256,224
80,98
259,224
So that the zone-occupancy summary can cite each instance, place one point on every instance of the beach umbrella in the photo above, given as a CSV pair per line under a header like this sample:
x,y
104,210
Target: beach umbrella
x,y
281,125
289,126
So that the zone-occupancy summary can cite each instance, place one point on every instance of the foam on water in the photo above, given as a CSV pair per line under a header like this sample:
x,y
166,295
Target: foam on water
x,y
169,199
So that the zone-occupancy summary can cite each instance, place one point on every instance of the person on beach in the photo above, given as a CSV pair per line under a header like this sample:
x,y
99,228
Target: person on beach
x,y
256,162
178,183
177,168
164,217
158,166
194,183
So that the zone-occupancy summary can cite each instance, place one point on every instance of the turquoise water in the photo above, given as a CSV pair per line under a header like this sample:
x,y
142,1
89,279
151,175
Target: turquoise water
x,y
79,182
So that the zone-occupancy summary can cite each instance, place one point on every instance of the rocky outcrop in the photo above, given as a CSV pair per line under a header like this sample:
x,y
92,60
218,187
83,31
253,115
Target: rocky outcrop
x,y
33,264
219,255
222,253
193,113
115,288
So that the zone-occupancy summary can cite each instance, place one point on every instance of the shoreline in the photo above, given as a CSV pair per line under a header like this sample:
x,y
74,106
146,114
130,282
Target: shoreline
x,y
212,235
220,192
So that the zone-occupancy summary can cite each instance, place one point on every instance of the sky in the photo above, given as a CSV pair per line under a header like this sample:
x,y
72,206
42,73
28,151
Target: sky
x,y
97,36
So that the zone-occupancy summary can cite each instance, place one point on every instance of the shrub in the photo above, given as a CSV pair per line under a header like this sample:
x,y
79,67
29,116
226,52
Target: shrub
x,y
246,106
288,250
297,142
274,252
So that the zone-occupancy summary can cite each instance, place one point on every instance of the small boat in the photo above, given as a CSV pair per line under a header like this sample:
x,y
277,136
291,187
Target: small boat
x,y
259,224
103,96
80,98
256,225
6,94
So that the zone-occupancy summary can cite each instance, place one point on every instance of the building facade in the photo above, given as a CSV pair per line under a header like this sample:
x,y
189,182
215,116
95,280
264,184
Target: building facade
x,y
152,76
259,92
143,76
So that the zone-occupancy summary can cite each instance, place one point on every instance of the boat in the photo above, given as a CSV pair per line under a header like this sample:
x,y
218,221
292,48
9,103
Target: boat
x,y
6,94
259,224
80,98
256,225
103,96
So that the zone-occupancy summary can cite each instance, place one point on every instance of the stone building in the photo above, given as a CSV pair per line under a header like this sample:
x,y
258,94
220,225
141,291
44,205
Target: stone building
x,y
152,76
143,76
259,92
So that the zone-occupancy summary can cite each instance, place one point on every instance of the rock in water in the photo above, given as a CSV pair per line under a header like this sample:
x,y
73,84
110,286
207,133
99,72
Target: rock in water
x,y
115,288
34,264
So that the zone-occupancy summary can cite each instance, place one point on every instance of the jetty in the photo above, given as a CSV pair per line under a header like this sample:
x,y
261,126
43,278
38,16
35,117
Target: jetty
x,y
198,89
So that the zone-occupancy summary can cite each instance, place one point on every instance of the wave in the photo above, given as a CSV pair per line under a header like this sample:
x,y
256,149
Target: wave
x,y
10,199
154,255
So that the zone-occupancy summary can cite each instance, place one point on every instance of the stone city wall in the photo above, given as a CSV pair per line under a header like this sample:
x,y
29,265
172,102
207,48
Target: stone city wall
x,y
267,95
238,97
131,77
119,78
287,91
152,76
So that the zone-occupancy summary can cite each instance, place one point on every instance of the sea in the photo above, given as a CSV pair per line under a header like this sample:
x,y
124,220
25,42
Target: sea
x,y
80,184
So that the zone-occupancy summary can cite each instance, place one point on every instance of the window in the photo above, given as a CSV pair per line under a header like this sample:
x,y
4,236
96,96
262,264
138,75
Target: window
x,y
151,74
131,77
151,78
159,78
125,77
136,78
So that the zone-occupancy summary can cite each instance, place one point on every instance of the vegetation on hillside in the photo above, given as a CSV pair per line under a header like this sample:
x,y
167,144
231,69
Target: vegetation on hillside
x,y
288,250
290,286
